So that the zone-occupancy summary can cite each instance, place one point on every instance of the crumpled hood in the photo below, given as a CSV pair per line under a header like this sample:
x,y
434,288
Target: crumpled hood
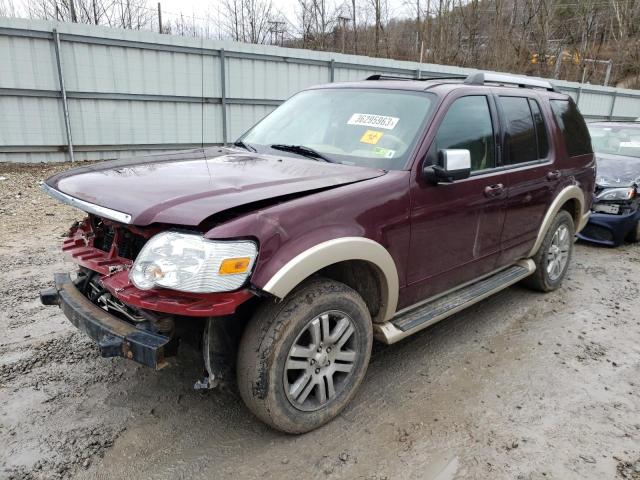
x,y
185,188
617,170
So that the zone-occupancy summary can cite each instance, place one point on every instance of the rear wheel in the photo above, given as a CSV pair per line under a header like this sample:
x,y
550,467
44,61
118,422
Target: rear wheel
x,y
301,361
552,259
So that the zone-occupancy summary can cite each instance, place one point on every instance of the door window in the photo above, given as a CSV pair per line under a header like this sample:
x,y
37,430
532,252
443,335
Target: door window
x,y
526,139
467,125
541,129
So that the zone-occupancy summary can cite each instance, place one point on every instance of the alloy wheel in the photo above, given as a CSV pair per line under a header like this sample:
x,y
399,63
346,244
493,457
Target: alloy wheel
x,y
320,361
558,253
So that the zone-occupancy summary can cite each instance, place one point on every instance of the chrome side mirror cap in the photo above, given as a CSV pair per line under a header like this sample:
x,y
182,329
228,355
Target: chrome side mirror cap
x,y
453,164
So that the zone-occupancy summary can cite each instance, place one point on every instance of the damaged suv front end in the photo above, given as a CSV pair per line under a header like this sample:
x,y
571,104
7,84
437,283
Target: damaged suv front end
x,y
154,267
117,296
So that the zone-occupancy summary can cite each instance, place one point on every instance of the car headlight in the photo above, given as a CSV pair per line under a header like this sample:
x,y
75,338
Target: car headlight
x,y
616,194
192,263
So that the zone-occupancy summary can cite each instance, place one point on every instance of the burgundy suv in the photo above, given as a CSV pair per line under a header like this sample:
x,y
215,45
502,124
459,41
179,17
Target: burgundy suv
x,y
353,211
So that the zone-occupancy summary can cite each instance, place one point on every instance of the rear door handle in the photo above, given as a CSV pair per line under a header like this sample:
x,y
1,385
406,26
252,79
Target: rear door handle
x,y
493,191
554,175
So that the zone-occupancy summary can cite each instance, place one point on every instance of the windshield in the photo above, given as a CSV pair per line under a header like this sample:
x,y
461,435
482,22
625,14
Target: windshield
x,y
616,139
366,127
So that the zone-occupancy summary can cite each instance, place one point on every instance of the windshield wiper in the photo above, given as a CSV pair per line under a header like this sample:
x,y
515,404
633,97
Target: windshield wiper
x,y
302,150
246,146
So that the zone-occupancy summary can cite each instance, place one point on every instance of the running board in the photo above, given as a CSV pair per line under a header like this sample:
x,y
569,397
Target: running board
x,y
443,306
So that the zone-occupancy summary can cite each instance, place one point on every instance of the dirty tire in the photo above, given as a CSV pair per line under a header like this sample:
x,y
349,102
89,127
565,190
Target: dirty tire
x,y
267,343
541,280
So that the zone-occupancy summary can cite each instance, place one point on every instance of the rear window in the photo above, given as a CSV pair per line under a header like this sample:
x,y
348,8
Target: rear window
x,y
526,133
574,129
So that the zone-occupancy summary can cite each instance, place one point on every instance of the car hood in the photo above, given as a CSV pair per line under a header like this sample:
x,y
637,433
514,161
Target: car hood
x,y
185,188
617,170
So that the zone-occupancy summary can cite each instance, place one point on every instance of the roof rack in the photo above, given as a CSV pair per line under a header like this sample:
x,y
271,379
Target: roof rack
x,y
378,76
481,78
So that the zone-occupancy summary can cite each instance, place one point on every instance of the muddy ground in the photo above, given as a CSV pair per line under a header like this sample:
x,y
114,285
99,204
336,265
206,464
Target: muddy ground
x,y
522,386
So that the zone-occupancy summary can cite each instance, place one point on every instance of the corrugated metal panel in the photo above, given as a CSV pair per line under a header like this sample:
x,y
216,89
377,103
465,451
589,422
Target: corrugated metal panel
x,y
594,103
113,122
243,117
134,91
31,121
28,63
249,78
627,107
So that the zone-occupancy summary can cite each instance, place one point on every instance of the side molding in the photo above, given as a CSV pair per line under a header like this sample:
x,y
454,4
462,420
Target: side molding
x,y
338,250
571,192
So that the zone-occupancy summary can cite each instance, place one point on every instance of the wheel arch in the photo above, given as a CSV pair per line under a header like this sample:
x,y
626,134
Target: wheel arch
x,y
571,199
355,261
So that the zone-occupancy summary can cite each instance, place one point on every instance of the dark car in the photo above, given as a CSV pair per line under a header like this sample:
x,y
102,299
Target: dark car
x,y
615,214
353,211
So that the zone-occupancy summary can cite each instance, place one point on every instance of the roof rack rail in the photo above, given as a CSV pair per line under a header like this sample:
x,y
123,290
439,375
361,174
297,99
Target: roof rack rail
x,y
480,78
378,76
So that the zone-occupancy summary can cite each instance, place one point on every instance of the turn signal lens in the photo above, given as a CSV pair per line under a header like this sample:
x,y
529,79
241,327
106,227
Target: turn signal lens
x,y
232,266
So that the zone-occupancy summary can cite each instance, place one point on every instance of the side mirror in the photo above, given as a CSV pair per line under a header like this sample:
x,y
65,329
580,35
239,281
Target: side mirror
x,y
454,164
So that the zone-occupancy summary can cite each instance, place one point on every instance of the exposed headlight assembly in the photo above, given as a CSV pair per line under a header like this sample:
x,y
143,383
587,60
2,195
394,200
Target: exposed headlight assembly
x,y
191,263
616,194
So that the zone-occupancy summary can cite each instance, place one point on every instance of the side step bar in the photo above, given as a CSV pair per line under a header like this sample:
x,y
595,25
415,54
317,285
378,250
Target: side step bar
x,y
441,307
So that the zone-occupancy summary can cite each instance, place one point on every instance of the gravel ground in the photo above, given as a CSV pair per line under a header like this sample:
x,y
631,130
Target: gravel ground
x,y
523,386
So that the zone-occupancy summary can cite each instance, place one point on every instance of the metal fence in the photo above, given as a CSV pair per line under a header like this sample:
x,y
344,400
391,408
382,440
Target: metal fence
x,y
70,90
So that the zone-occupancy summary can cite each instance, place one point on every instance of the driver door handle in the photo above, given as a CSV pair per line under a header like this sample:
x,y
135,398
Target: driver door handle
x,y
493,191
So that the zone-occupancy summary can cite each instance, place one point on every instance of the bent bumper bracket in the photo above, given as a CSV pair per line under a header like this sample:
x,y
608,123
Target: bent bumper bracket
x,y
113,336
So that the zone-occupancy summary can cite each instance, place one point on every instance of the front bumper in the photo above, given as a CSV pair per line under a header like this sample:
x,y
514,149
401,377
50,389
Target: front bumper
x,y
607,229
114,337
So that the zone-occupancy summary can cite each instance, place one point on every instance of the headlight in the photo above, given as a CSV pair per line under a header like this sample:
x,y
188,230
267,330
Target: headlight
x,y
191,263
616,194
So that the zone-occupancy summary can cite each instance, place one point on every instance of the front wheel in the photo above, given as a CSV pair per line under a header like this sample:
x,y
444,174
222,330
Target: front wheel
x,y
301,361
552,259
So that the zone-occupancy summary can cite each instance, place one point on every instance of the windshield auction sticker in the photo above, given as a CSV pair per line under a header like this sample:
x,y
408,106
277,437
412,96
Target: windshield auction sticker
x,y
371,137
370,120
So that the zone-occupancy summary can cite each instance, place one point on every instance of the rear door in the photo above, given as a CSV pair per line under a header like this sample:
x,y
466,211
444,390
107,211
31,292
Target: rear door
x,y
532,176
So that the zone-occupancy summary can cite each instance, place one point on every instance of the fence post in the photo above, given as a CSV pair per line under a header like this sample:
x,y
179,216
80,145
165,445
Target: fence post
x,y
223,95
613,105
63,91
332,70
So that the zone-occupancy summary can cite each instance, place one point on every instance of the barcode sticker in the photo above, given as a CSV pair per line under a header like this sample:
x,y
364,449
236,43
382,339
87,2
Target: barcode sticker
x,y
370,120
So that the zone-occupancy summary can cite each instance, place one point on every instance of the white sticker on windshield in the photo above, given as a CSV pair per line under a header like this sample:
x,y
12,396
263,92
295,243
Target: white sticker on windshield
x,y
370,120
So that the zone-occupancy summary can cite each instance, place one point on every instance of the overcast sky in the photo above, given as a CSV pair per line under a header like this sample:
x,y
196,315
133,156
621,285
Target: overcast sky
x,y
200,8
211,12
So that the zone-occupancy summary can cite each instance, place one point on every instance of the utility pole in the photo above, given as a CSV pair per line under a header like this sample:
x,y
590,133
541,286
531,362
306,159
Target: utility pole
x,y
377,30
274,30
556,73
343,27
159,18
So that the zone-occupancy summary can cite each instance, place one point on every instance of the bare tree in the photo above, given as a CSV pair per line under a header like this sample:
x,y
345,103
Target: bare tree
x,y
7,8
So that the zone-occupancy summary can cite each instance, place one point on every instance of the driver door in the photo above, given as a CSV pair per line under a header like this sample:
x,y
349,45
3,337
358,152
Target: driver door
x,y
456,227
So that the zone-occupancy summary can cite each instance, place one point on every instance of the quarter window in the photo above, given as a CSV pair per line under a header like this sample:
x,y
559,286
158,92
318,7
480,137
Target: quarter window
x,y
467,125
574,130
